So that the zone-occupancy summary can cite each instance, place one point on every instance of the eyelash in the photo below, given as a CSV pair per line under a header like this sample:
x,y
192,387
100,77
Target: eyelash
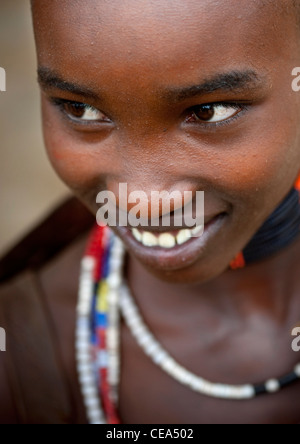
x,y
61,103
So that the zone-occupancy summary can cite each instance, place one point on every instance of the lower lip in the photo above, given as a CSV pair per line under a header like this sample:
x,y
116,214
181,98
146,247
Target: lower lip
x,y
181,256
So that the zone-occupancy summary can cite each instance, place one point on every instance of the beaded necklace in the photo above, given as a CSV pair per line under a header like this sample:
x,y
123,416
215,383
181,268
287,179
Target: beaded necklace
x,y
103,296
97,335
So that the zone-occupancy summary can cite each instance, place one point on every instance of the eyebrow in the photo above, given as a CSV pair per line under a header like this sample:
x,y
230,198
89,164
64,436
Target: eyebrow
x,y
50,79
234,81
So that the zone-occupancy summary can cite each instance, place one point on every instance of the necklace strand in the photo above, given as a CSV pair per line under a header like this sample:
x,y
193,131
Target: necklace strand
x,y
161,358
85,368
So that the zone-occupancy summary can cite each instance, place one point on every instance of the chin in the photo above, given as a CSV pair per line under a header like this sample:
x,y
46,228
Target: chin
x,y
199,273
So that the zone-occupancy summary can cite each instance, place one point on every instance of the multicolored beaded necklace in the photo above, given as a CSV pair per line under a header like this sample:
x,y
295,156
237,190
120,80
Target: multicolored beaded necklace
x,y
103,296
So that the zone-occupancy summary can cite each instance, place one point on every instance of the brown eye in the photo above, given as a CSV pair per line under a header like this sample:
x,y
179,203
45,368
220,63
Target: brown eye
x,y
205,112
83,112
214,113
75,109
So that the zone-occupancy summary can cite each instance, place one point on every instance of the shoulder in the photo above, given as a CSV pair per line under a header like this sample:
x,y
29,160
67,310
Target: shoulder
x,y
37,311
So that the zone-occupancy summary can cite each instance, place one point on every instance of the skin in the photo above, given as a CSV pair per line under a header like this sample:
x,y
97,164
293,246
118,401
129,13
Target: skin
x,y
131,55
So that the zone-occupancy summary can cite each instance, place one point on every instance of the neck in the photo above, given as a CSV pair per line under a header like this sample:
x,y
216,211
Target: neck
x,y
268,287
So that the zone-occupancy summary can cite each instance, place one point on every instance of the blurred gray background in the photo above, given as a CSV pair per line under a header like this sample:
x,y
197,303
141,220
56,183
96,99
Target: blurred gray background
x,y
29,188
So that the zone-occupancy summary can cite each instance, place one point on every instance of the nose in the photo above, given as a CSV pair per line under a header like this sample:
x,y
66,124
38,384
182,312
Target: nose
x,y
148,181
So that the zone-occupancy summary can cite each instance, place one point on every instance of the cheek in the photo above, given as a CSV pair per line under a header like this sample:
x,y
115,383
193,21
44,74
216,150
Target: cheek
x,y
276,140
73,167
259,182
265,160
75,161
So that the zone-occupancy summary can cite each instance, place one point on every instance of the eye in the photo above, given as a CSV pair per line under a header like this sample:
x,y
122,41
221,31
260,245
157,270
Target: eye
x,y
81,112
214,113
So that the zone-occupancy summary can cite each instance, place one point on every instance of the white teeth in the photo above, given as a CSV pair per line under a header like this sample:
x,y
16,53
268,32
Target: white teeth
x,y
183,236
137,234
166,240
149,240
197,230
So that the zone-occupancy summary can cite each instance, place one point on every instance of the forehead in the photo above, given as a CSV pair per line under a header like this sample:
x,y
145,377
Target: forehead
x,y
159,36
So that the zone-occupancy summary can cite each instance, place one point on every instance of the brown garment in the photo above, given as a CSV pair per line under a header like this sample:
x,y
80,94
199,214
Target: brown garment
x,y
38,380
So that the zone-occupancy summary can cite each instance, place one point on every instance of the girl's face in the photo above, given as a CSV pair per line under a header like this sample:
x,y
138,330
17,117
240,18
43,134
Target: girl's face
x,y
171,95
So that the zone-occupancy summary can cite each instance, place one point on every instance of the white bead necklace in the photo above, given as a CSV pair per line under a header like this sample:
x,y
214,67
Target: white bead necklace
x,y
162,359
85,367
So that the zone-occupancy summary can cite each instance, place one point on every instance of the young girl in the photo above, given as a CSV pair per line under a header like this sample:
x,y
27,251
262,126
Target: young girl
x,y
165,95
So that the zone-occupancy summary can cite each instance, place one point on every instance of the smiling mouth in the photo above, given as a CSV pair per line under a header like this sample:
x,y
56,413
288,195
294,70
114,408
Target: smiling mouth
x,y
174,249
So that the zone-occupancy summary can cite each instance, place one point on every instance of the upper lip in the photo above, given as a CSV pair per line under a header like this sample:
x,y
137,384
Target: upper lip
x,y
172,227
